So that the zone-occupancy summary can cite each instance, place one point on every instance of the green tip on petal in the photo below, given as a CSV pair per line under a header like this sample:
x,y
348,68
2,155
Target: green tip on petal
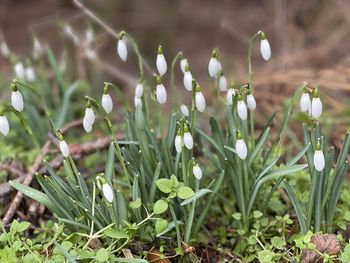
x,y
197,88
262,35
315,93
185,128
160,50
14,87
318,145
239,135
239,97
159,80
215,53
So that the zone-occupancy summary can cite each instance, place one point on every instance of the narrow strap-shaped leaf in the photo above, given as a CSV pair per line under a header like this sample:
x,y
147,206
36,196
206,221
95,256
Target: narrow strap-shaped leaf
x,y
170,226
196,196
297,157
65,252
153,185
171,130
210,140
258,146
109,170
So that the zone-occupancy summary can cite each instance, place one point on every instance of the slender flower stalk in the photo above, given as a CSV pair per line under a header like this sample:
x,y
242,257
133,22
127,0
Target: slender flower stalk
x,y
122,49
265,47
161,62
187,80
241,108
16,98
200,100
222,82
319,161
161,93
4,125
305,102
107,102
214,66
188,140
241,147
316,104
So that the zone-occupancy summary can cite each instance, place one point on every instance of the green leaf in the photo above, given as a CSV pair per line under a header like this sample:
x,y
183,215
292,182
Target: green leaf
x,y
184,192
65,252
196,196
170,226
160,207
237,216
102,255
135,204
257,214
266,256
278,242
116,234
164,185
161,225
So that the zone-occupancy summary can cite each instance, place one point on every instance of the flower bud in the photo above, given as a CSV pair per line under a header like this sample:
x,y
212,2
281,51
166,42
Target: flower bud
x,y
64,148
265,47
188,140
316,104
319,161
160,92
183,64
229,96
139,90
107,103
19,70
108,192
200,101
16,98
89,115
87,126
197,171
178,142
222,82
214,65
184,110
161,62
4,125
305,102
241,147
122,50
137,102
251,102
241,108
188,79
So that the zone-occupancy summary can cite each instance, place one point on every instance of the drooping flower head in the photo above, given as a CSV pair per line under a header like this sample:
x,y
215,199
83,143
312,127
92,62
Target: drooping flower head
x,y
187,80
319,161
161,62
4,125
199,99
264,46
188,140
16,98
251,103
89,117
178,141
241,108
183,64
107,102
122,50
214,66
63,145
161,93
316,104
197,171
222,82
305,101
241,147
139,89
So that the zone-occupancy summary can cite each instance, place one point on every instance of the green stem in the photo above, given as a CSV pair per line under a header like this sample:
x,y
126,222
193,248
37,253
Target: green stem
x,y
172,73
191,217
178,237
311,201
137,52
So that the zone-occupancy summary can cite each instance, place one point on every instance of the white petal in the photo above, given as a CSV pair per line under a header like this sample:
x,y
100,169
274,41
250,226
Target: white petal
x,y
178,143
183,64
108,192
19,70
241,149
213,67
188,140
184,110
64,148
17,100
251,102
89,116
200,101
305,102
188,80
319,161
139,90
137,102
107,103
197,172
89,36
87,126
30,74
223,83
4,125
4,50
242,110
161,94
230,94
265,49
161,64
316,107
122,50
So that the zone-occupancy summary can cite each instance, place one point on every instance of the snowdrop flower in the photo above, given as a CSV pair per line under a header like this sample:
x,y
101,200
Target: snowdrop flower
x,y
183,64
122,50
160,91
251,103
305,102
4,49
161,62
178,141
139,90
107,102
69,32
19,70
184,110
37,48
222,82
137,102
188,78
197,171
63,145
265,47
188,140
229,96
316,104
4,125
199,98
90,53
241,108
241,147
89,36
87,126
16,98
108,192
89,114
214,65
319,161
30,73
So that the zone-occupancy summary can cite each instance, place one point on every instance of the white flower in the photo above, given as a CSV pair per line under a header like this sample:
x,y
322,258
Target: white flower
x,y
4,125
241,149
137,102
64,148
197,171
161,62
229,96
107,103
108,192
188,140
184,110
214,67
316,107
161,93
188,80
37,48
305,102
89,36
122,50
183,64
71,34
19,70
90,53
178,143
4,49
89,116
30,73
87,126
265,49
242,109
251,102
17,100
200,101
222,83
319,161
139,90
